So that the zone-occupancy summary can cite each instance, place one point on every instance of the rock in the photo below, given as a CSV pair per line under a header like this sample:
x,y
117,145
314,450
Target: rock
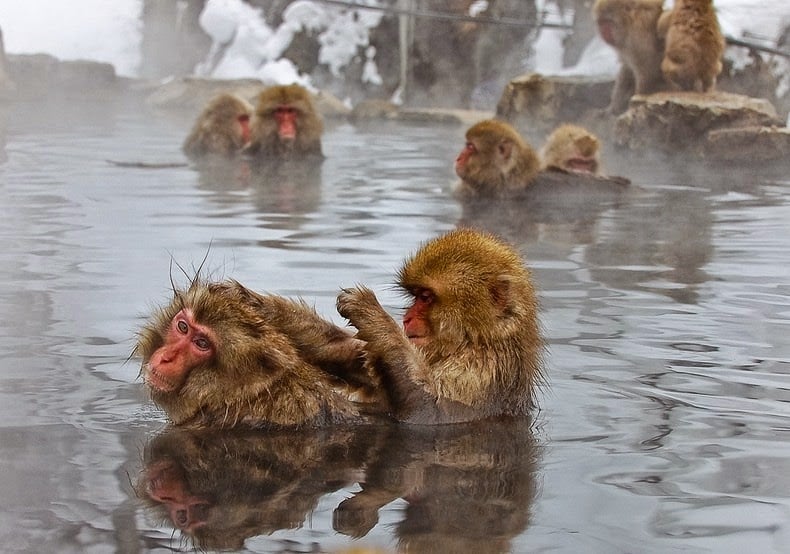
x,y
681,121
329,105
374,109
749,144
191,94
41,76
7,85
443,115
540,103
383,110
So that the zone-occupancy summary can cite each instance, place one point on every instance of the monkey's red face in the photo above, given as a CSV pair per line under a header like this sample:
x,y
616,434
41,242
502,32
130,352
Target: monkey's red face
x,y
416,323
286,122
244,127
166,484
607,28
463,159
188,344
582,164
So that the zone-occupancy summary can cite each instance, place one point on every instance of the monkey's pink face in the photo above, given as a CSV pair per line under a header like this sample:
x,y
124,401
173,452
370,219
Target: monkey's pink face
x,y
286,117
416,323
188,344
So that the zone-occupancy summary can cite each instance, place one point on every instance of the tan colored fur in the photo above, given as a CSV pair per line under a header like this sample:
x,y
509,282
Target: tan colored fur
x,y
265,142
694,46
570,146
634,25
216,129
504,163
275,360
483,358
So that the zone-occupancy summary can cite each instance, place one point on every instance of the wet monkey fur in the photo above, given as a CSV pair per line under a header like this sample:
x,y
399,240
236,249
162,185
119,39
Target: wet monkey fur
x,y
286,125
222,128
221,355
469,347
631,28
495,161
694,45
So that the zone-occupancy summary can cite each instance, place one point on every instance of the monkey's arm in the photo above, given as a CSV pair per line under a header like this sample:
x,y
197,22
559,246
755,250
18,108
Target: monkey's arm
x,y
624,86
401,364
318,341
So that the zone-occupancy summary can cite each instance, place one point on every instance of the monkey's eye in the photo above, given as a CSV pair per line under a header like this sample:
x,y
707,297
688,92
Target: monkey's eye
x,y
287,110
471,148
425,296
183,327
202,343
244,117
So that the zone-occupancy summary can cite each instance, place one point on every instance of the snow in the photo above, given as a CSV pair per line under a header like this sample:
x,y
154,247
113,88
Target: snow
x,y
246,46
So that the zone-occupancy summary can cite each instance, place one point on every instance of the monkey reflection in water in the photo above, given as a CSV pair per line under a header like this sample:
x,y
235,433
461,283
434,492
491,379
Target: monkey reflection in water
x,y
468,487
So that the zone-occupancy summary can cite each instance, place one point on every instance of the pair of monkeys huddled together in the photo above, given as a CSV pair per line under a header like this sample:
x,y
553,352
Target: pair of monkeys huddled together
x,y
469,348
675,49
283,125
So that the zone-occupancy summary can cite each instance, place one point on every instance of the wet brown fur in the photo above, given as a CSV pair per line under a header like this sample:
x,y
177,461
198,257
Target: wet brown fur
x,y
265,142
640,47
483,358
276,362
694,46
504,163
215,130
568,144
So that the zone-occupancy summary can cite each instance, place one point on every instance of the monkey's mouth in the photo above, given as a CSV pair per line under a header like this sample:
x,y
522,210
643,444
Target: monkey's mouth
x,y
582,165
156,381
418,340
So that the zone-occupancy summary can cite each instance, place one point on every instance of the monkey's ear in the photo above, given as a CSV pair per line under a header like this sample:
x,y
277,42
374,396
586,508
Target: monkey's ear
x,y
505,149
500,293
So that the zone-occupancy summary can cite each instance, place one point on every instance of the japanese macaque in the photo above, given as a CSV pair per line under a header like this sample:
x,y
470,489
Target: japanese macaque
x,y
221,355
694,45
495,162
631,28
573,149
222,128
219,487
470,346
286,125
424,465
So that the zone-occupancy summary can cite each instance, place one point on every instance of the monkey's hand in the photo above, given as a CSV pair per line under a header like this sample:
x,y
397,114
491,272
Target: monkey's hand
x,y
361,307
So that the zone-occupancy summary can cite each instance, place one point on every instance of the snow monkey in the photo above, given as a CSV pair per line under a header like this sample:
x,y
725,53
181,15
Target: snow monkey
x,y
694,45
573,149
496,161
222,128
631,28
470,346
285,125
221,355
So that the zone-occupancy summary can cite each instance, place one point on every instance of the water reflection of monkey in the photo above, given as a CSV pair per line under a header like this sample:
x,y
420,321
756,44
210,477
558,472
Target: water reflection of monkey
x,y
288,187
220,488
468,487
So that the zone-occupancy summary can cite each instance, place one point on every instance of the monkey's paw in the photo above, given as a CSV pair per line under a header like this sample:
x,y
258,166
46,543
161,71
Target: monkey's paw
x,y
358,305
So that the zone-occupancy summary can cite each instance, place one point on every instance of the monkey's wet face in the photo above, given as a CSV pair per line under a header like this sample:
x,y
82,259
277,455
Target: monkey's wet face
x,y
187,344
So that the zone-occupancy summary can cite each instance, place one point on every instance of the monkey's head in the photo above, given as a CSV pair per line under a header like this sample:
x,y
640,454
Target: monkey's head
x,y
233,113
611,18
209,345
286,120
572,148
468,288
493,151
